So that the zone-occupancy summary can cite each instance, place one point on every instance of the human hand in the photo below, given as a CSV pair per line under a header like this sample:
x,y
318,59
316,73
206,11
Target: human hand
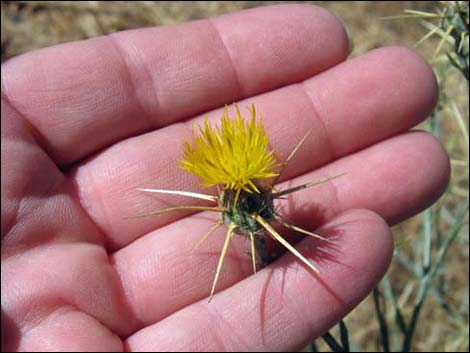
x,y
84,124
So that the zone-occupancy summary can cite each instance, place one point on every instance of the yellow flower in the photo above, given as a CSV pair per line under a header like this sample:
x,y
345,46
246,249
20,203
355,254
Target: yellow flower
x,y
235,154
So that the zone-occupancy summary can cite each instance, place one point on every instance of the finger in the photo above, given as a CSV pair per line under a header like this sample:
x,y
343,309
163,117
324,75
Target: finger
x,y
358,103
284,306
395,178
391,178
86,95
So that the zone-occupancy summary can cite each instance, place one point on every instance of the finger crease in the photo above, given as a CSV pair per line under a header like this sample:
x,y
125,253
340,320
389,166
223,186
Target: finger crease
x,y
236,76
147,111
330,147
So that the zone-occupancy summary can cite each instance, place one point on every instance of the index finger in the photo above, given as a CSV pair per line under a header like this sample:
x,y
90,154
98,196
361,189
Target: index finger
x,y
80,97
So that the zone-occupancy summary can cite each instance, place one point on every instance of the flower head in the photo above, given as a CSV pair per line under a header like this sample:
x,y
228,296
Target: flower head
x,y
236,154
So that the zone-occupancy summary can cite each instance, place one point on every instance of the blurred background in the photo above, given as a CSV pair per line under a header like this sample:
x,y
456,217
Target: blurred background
x,y
423,303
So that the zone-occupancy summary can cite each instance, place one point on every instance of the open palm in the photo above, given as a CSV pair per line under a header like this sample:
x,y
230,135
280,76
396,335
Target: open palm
x,y
85,124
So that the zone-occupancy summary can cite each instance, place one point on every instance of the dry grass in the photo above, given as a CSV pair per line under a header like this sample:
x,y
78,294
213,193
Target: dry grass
x,y
443,323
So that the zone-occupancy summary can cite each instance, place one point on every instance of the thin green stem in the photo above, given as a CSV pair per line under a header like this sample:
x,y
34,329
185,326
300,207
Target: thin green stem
x,y
427,279
390,296
382,321
332,343
343,331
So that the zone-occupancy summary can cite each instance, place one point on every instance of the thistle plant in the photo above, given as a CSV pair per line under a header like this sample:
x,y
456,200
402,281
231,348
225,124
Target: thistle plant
x,y
451,24
454,23
236,158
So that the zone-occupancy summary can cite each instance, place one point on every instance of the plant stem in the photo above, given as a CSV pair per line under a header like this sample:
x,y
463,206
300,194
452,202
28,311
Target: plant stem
x,y
382,321
428,277
332,343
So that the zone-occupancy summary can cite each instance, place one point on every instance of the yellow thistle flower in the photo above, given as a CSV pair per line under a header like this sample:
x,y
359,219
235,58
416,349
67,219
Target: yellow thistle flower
x,y
235,155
